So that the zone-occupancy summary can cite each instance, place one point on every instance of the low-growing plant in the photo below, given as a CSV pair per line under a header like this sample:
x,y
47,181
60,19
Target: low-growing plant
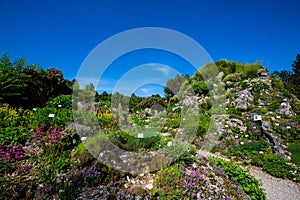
x,y
247,182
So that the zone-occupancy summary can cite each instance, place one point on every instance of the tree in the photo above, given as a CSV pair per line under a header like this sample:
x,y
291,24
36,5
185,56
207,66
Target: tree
x,y
296,65
173,85
13,81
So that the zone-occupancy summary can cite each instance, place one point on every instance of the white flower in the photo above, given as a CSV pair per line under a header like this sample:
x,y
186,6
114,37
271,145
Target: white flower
x,y
241,143
261,152
226,108
51,115
34,109
59,106
236,137
276,124
278,117
83,138
169,144
246,135
288,127
194,165
226,126
140,135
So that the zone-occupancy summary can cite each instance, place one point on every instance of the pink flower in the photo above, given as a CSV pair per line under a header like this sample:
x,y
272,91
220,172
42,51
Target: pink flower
x,y
31,153
54,134
27,168
292,123
283,127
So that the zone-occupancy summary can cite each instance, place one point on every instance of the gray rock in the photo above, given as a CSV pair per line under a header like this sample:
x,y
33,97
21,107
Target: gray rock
x,y
244,99
263,74
285,108
273,140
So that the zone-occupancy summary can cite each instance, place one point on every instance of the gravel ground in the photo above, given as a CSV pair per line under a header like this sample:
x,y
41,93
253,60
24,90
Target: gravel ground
x,y
277,188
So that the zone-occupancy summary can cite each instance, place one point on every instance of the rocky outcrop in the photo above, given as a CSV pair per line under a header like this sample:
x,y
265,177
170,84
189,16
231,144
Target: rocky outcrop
x,y
285,108
244,99
263,74
273,140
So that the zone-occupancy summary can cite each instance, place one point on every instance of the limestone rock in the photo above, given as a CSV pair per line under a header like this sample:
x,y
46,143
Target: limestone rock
x,y
244,99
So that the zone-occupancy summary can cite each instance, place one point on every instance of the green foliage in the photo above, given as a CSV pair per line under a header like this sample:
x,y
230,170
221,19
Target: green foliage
x,y
248,183
62,117
249,70
167,183
294,148
63,101
279,167
235,77
27,86
200,88
173,85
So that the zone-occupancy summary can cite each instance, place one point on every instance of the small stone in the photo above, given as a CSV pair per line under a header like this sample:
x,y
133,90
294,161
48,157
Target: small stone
x,y
149,186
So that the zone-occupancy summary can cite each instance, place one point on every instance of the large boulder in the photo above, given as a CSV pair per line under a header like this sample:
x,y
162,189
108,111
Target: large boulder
x,y
273,140
285,108
244,99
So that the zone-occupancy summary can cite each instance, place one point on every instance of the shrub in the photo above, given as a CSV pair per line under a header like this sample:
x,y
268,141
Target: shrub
x,y
247,182
294,148
278,167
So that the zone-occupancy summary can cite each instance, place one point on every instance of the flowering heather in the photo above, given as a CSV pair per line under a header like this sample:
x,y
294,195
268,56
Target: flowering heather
x,y
192,180
51,134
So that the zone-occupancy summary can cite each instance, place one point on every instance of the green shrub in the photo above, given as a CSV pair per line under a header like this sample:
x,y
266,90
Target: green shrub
x,y
294,148
167,183
63,101
247,182
235,77
278,167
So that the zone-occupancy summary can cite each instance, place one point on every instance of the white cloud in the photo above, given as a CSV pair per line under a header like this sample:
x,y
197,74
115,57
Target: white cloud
x,y
166,70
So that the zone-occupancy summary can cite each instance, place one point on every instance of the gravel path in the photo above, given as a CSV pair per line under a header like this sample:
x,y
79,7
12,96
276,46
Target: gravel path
x,y
276,188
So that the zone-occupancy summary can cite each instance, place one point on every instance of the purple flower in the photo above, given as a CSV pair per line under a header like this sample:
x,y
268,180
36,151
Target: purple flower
x,y
283,127
5,141
30,153
170,113
222,172
27,168
200,144
292,123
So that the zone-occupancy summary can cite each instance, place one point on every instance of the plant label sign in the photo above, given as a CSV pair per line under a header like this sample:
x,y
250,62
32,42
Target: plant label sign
x,y
140,135
257,117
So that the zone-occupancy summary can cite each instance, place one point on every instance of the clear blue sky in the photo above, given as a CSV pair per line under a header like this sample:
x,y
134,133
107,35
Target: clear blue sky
x,y
60,34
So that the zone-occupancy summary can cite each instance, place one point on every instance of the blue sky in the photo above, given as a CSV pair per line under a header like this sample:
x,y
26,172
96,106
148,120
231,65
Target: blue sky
x,y
61,34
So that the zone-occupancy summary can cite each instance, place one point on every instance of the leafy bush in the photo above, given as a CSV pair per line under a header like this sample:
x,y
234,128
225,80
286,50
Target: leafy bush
x,y
248,183
167,183
294,148
63,101
235,77
279,167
